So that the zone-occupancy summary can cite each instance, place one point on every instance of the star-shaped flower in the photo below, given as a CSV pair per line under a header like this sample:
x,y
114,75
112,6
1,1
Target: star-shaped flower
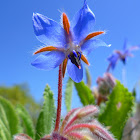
x,y
121,55
67,44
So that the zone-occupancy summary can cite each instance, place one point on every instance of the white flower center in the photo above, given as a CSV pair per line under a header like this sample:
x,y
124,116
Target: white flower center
x,y
70,47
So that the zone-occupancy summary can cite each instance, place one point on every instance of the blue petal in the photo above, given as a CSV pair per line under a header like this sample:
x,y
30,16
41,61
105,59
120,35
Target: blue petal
x,y
127,49
133,48
49,61
91,44
130,49
48,31
75,73
126,53
125,45
85,1
83,22
113,60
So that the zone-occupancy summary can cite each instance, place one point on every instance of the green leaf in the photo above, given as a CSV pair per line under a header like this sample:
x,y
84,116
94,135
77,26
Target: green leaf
x,y
45,122
4,126
68,94
2,133
11,116
3,117
117,110
88,77
84,93
26,119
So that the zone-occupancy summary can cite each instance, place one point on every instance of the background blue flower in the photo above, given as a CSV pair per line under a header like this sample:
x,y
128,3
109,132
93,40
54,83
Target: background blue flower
x,y
121,55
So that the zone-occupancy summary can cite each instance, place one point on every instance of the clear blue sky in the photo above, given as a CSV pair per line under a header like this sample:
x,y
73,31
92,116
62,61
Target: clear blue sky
x,y
120,18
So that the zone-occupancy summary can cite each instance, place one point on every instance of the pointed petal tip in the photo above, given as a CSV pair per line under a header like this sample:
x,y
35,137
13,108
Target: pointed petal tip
x,y
85,2
35,14
77,81
105,32
109,45
102,32
64,14
32,63
34,53
74,72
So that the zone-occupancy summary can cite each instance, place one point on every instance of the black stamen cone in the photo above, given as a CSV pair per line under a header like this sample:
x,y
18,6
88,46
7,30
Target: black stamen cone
x,y
75,60
124,61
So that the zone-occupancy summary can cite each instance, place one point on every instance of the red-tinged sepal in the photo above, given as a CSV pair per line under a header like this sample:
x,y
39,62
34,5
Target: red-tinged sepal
x,y
64,67
85,59
44,49
66,24
91,35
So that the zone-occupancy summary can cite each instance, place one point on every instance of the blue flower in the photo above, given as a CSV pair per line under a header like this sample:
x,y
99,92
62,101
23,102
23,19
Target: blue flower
x,y
121,55
67,43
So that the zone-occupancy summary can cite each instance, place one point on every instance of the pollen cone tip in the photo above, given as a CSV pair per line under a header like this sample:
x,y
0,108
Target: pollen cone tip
x,y
79,67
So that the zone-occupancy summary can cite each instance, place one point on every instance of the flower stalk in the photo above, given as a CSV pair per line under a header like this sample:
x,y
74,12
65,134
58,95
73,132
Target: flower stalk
x,y
59,101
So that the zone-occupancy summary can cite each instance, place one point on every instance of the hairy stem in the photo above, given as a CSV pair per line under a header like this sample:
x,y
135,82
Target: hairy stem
x,y
59,101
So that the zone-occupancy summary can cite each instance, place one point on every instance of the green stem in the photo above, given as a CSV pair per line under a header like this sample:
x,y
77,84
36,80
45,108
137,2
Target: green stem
x,y
124,76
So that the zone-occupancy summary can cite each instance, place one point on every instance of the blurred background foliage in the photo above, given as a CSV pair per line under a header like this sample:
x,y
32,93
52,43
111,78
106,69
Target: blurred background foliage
x,y
20,94
119,109
113,99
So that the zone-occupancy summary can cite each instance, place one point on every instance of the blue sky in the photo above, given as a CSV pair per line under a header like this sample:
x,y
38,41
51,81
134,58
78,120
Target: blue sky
x,y
121,19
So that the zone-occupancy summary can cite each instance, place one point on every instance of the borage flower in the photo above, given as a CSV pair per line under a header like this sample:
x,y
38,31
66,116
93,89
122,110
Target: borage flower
x,y
106,83
104,87
121,55
68,44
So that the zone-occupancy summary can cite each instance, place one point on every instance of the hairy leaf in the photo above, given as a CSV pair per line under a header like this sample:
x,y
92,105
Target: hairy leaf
x,y
11,116
2,132
3,117
68,94
84,93
117,110
4,125
26,119
46,117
